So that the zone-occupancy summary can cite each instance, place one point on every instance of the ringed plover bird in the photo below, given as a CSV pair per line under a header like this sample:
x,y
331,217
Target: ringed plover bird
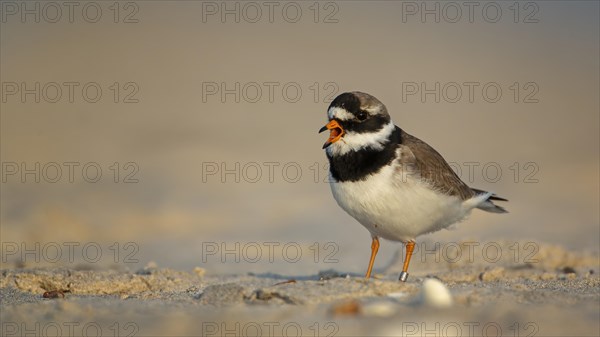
x,y
391,182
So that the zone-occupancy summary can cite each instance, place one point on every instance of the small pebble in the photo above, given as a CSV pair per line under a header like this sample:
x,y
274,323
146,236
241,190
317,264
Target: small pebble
x,y
379,309
346,308
199,271
328,274
492,274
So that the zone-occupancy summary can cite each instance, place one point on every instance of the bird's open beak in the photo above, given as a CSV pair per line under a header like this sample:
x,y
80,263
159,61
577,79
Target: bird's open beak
x,y
335,132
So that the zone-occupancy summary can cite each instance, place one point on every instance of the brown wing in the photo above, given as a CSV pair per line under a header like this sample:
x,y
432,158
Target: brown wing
x,y
422,160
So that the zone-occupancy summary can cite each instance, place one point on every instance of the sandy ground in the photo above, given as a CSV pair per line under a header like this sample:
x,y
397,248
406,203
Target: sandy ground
x,y
557,295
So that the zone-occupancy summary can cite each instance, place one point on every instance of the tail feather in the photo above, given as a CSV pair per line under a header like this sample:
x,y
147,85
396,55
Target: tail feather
x,y
488,205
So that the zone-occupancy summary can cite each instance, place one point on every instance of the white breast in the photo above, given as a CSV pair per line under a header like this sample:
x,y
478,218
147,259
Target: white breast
x,y
397,206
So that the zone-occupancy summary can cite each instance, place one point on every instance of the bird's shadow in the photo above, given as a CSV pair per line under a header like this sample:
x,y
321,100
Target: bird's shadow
x,y
320,276
332,273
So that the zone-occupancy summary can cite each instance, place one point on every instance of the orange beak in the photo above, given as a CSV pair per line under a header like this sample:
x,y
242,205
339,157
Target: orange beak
x,y
335,132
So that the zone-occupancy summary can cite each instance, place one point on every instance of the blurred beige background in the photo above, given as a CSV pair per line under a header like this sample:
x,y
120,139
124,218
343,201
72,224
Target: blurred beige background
x,y
177,50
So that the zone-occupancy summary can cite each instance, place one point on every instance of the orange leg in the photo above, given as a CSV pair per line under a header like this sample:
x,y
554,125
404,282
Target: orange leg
x,y
374,249
410,247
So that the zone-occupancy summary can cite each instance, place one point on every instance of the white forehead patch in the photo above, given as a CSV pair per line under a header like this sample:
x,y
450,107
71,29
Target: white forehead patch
x,y
372,109
339,113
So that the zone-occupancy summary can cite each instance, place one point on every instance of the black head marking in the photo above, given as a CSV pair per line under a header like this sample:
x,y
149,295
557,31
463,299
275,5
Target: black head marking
x,y
356,104
347,101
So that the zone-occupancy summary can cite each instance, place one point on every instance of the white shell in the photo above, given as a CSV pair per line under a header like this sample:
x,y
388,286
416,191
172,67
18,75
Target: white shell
x,y
435,294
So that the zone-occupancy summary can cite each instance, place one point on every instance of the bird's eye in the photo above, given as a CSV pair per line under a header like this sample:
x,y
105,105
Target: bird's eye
x,y
361,115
